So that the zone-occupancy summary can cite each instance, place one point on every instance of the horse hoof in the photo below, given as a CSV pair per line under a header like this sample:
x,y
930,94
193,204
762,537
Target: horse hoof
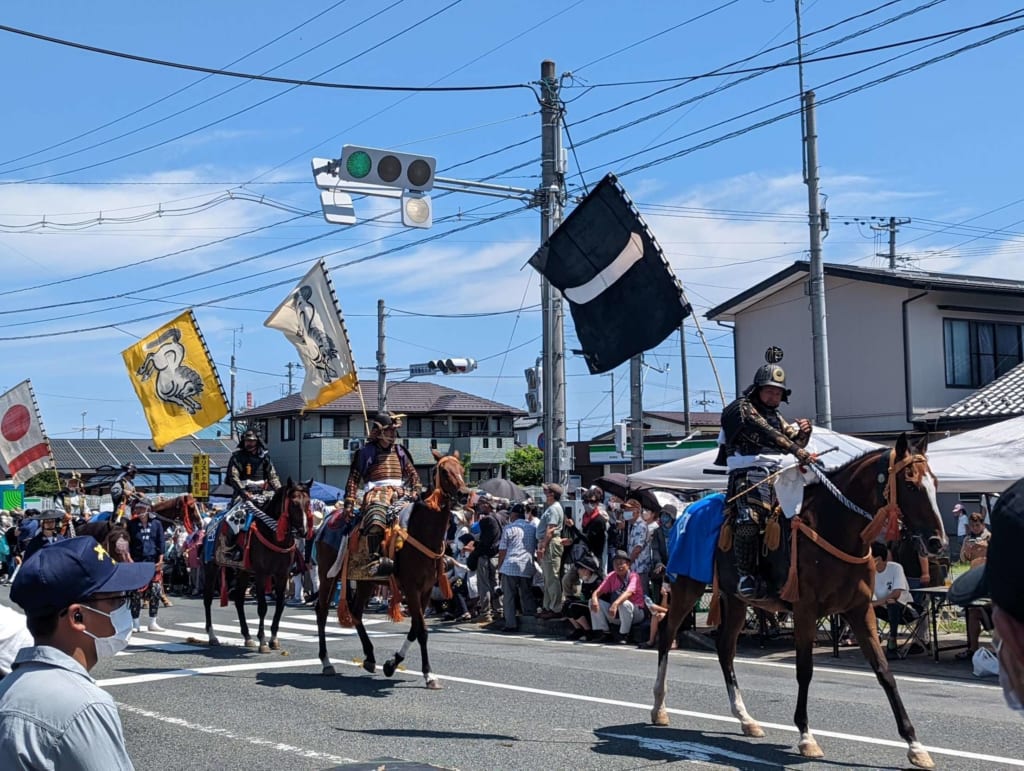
x,y
434,685
329,671
389,668
919,756
755,731
275,645
371,666
809,749
659,717
250,643
264,648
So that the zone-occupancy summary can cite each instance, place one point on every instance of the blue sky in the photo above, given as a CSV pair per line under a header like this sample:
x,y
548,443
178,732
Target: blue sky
x,y
162,189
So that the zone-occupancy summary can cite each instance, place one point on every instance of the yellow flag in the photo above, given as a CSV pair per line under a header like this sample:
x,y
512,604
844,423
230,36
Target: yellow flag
x,y
311,319
176,380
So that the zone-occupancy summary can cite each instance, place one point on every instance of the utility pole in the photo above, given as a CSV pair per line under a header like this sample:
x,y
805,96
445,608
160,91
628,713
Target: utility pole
x,y
291,365
892,225
112,421
686,379
552,195
636,411
704,401
611,390
99,429
382,366
234,340
819,332
84,413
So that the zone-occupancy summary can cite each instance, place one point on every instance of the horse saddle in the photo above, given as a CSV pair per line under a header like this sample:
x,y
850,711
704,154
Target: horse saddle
x,y
361,563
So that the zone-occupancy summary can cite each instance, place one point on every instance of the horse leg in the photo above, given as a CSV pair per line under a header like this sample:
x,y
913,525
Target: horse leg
x,y
416,604
399,656
804,629
734,612
261,610
241,584
864,626
275,622
685,593
209,576
356,604
323,604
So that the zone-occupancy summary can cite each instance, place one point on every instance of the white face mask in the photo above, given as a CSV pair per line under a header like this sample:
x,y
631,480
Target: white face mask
x,y
108,647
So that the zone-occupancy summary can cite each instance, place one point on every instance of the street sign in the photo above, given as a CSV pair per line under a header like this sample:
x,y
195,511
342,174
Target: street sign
x,y
418,370
201,475
337,207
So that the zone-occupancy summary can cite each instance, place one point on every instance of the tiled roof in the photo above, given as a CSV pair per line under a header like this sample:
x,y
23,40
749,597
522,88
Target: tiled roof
x,y
90,454
696,418
407,398
912,279
1002,398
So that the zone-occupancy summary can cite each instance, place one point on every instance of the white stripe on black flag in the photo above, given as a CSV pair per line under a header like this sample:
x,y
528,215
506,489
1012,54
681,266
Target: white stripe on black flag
x,y
622,293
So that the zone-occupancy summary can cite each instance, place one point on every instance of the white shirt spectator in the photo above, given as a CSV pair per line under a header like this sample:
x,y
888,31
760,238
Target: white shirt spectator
x,y
891,578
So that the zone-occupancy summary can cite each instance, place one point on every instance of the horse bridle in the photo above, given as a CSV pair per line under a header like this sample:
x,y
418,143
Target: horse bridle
x,y
449,498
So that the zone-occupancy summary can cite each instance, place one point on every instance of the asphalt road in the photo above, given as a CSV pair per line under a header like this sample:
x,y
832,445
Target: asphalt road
x,y
517,702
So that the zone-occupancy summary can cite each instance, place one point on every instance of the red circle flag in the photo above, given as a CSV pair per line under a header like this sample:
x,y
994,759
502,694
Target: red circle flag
x,y
15,422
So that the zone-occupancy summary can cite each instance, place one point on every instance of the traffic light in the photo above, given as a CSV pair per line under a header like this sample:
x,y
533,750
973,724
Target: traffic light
x,y
373,166
620,437
417,209
453,366
534,396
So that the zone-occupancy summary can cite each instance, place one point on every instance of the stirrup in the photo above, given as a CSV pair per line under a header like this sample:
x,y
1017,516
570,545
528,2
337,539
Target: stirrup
x,y
381,567
747,587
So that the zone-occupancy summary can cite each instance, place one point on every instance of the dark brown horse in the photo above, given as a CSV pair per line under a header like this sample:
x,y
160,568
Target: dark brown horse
x,y
182,508
833,574
416,572
269,553
114,538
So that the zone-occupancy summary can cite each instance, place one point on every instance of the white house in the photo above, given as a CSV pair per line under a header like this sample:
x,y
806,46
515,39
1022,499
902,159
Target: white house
x,y
903,345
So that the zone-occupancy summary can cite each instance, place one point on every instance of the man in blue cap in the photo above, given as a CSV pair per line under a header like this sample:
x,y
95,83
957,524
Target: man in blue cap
x,y
52,713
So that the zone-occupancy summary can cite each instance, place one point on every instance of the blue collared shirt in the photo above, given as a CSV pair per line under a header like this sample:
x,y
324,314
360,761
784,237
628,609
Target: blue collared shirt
x,y
54,716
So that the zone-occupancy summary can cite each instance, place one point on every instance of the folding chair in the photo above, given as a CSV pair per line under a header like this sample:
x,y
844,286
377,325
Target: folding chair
x,y
915,626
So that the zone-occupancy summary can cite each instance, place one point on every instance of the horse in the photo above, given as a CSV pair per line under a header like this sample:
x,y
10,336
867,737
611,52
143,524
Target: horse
x,y
829,572
183,508
112,537
269,553
418,566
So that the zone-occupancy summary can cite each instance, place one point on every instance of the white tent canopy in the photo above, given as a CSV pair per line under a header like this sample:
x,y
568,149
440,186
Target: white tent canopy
x,y
699,472
985,460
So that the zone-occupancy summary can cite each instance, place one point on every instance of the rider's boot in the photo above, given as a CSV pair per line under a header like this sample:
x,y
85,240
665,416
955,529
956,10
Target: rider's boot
x,y
744,547
379,565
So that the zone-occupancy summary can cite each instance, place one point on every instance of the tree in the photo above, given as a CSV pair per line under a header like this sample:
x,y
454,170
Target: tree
x,y
44,484
526,466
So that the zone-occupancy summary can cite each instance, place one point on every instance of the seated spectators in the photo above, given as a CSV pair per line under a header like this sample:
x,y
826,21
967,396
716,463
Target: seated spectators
x,y
892,594
577,609
975,545
619,599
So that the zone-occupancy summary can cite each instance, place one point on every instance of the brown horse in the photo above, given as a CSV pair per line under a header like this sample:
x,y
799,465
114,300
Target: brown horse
x,y
830,573
114,538
183,508
416,571
269,554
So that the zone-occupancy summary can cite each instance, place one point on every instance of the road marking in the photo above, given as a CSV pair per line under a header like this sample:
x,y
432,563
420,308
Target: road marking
x,y
178,673
227,734
706,753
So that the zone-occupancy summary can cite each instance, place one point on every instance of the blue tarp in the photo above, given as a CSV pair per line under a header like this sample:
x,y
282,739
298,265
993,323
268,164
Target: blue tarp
x,y
692,542
326,493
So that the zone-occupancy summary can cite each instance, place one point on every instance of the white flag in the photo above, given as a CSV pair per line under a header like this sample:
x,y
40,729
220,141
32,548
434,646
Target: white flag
x,y
311,319
22,440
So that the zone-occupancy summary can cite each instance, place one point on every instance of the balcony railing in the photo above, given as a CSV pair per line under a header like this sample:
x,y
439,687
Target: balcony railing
x,y
425,434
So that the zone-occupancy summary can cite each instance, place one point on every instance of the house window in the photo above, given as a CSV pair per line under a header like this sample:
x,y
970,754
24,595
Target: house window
x,y
486,443
413,427
326,426
287,429
977,352
499,443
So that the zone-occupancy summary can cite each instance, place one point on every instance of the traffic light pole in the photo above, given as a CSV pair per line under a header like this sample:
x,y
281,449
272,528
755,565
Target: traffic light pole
x,y
552,197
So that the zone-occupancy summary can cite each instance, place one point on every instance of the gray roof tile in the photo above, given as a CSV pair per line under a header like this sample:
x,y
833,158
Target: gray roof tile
x,y
1002,398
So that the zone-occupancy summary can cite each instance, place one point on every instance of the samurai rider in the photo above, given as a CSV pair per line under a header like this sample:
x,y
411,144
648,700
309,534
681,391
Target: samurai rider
x,y
381,474
123,492
250,470
756,437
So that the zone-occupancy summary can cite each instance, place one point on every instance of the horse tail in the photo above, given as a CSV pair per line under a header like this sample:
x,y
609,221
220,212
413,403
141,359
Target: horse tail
x,y
171,334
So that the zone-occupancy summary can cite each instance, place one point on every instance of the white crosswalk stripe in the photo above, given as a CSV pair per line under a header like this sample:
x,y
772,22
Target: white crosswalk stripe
x,y
293,627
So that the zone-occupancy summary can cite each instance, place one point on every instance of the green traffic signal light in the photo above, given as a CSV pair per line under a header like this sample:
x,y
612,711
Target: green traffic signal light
x,y
358,164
